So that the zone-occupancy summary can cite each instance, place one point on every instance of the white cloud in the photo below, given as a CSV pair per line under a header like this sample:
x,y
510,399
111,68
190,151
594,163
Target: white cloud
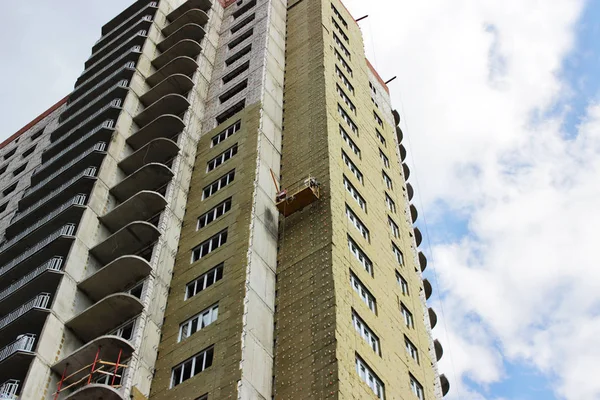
x,y
475,81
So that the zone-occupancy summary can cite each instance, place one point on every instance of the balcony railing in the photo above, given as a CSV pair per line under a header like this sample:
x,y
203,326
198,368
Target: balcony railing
x,y
100,146
126,22
113,103
40,301
119,38
9,389
88,101
89,172
23,343
67,230
53,264
141,33
92,104
88,80
128,66
77,200
108,124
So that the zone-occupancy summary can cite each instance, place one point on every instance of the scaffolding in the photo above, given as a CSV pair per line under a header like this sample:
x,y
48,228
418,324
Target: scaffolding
x,y
297,196
99,372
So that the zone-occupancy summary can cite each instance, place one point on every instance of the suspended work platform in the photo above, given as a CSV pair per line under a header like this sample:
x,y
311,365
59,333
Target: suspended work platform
x,y
298,196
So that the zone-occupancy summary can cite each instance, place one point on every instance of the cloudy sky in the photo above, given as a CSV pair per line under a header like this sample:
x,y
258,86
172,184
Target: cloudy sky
x,y
500,108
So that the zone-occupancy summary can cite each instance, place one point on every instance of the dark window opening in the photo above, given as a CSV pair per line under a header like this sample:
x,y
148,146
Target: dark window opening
x,y
19,170
236,72
238,55
242,10
9,189
234,91
230,112
243,23
240,39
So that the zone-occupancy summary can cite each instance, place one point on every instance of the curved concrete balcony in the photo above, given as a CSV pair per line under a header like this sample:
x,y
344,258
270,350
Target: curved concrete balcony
x,y
432,317
140,207
149,177
427,288
105,315
124,18
184,48
159,150
29,317
96,391
402,152
103,130
190,31
180,65
128,59
169,104
115,277
422,261
165,126
414,214
57,242
110,111
406,171
439,350
399,134
396,115
193,16
16,356
43,279
445,384
128,240
410,191
109,347
203,5
174,84
418,236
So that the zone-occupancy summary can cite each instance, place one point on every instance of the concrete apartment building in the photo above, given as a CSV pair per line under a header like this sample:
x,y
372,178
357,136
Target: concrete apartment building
x,y
219,209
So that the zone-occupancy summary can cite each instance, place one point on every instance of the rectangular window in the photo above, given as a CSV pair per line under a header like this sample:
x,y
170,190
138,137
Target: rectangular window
x,y
337,14
346,99
403,284
10,154
28,152
398,254
377,119
384,159
344,80
197,322
37,134
213,214
192,366
126,330
367,375
339,29
235,42
19,170
210,245
238,55
349,142
337,41
411,349
236,72
204,281
394,228
221,158
243,23
364,294
9,189
230,112
242,10
218,184
234,91
3,207
365,332
360,255
416,388
407,315
355,195
343,62
387,180
352,167
357,223
225,133
3,169
347,118
372,87
381,138
390,203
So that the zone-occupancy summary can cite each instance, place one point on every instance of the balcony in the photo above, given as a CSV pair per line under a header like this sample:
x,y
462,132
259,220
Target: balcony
x,y
131,239
203,5
410,191
129,59
9,390
81,182
159,150
165,126
439,350
109,112
432,317
399,134
150,177
418,236
185,48
115,277
180,65
96,391
169,104
101,133
29,317
125,17
414,214
58,242
105,315
427,288
193,16
43,279
422,261
402,152
140,207
396,117
190,31
15,357
174,84
406,171
445,384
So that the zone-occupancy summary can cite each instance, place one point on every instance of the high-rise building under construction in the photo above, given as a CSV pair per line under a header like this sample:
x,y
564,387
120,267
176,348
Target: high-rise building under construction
x,y
218,210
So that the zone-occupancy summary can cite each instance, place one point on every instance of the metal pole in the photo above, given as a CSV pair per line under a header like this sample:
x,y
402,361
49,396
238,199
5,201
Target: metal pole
x,y
94,366
112,383
62,379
